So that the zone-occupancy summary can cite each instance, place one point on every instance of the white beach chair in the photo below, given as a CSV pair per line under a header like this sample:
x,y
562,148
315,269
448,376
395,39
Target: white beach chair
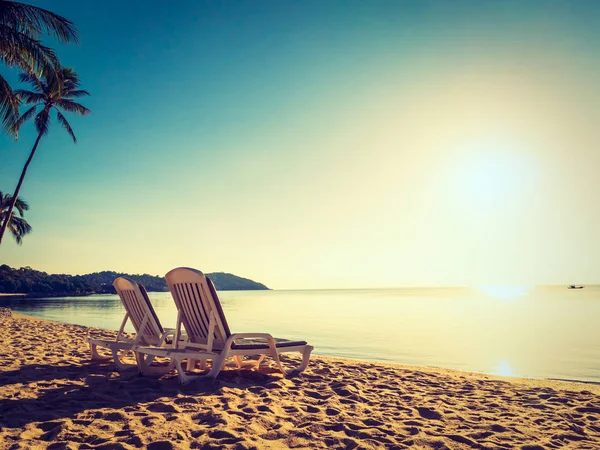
x,y
148,329
209,338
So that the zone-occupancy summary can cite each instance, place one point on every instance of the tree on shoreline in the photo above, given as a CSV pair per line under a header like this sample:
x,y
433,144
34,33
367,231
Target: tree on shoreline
x,y
17,225
56,89
21,27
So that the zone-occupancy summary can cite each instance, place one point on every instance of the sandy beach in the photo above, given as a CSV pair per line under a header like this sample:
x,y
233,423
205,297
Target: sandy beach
x,y
52,396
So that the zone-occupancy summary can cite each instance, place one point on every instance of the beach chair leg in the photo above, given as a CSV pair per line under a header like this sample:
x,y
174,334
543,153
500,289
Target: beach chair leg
x,y
183,378
217,365
238,361
121,365
95,355
94,351
305,358
144,364
305,352
144,360
273,354
261,358
141,363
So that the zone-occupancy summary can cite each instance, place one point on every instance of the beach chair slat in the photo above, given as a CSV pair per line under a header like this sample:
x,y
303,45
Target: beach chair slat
x,y
193,307
177,296
154,328
211,300
140,313
134,309
188,313
127,303
204,312
222,324
196,308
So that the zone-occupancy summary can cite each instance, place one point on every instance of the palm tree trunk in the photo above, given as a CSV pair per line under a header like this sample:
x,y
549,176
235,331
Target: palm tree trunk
x,y
16,194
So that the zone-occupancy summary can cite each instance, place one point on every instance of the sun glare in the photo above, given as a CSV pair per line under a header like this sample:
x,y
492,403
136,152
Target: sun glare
x,y
495,170
504,369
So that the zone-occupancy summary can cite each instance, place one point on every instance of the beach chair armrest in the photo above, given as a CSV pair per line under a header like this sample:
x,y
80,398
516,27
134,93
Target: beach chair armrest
x,y
234,337
250,335
187,344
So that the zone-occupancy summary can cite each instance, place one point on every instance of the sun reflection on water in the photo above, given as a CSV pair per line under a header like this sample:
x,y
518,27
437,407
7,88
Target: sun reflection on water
x,y
504,369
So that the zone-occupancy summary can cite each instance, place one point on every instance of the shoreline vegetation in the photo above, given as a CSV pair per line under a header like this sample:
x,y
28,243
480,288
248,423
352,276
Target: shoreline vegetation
x,y
27,282
53,394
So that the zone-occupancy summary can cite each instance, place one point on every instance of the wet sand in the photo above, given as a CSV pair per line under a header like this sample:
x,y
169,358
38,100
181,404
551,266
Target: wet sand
x,y
53,397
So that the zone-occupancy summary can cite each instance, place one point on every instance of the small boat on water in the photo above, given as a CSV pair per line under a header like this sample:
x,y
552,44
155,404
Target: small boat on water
x,y
574,286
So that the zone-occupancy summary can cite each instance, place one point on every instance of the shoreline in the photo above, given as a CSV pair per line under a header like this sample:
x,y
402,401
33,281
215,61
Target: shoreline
x,y
491,376
51,393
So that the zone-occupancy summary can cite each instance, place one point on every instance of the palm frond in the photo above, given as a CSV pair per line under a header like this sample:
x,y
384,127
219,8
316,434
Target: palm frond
x,y
53,82
9,105
69,81
35,21
19,227
42,121
15,233
33,80
71,106
20,49
21,206
4,202
29,97
76,93
16,126
69,76
66,125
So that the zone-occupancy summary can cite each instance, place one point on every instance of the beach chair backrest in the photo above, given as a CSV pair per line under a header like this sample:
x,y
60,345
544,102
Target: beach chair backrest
x,y
137,303
196,299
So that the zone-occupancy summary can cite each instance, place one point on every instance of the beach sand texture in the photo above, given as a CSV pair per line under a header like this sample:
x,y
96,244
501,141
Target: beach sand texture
x,y
52,396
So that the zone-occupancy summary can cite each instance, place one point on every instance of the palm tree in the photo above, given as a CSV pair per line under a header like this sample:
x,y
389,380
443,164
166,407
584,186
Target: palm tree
x,y
17,225
21,26
57,90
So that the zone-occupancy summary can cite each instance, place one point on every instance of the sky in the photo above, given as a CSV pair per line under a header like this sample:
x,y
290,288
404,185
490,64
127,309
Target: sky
x,y
323,144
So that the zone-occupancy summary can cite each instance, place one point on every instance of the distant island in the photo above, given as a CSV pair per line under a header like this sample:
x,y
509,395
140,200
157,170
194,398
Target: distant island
x,y
35,283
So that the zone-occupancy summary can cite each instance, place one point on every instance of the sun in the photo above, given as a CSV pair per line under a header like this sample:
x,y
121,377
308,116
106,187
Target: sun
x,y
493,171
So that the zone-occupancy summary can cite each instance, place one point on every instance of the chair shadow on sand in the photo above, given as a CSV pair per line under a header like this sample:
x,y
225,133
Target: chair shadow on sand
x,y
65,391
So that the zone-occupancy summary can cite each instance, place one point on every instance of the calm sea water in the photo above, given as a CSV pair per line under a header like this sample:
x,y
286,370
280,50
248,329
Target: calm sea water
x,y
542,332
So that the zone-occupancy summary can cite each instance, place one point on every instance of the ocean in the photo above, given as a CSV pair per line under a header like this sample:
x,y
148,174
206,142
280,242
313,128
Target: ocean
x,y
539,332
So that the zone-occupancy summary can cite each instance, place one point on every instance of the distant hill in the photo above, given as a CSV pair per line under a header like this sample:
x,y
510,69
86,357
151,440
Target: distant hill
x,y
41,284
228,282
